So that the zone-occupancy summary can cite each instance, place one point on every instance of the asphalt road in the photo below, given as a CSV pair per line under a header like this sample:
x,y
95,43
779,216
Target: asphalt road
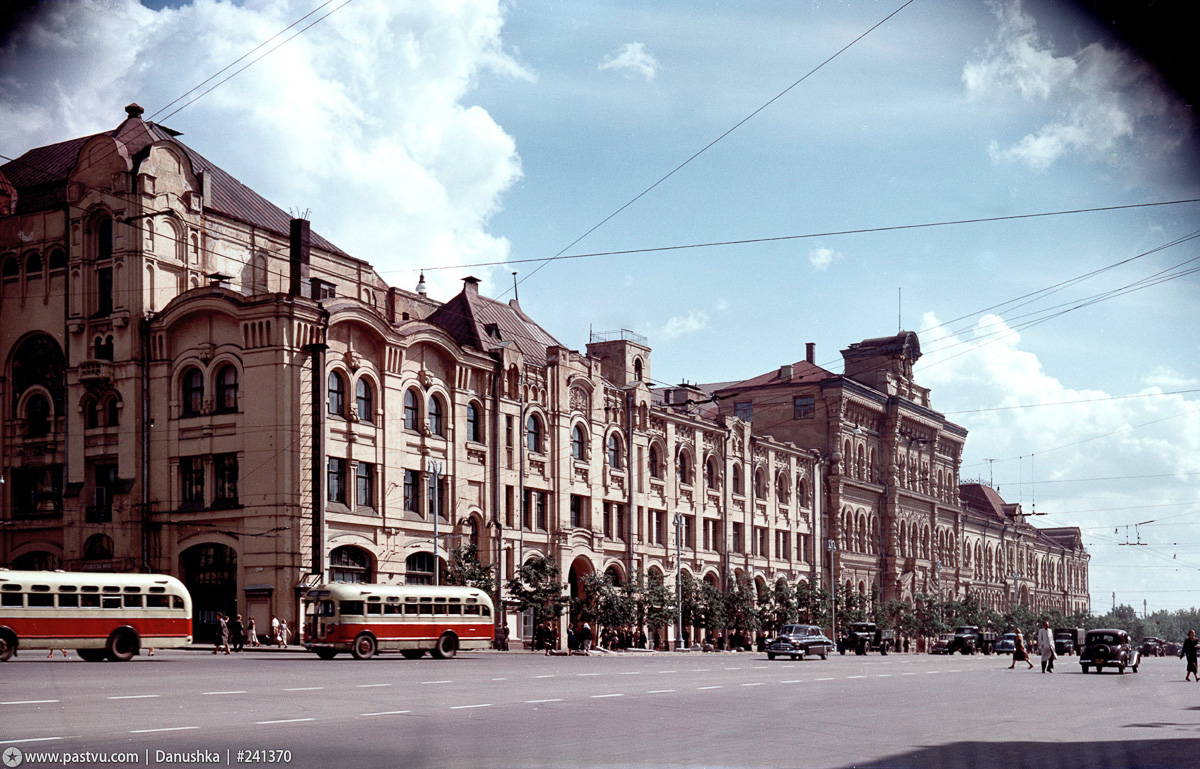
x,y
184,708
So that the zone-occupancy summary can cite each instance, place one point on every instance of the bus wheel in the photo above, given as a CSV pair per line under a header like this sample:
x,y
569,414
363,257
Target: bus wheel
x,y
90,655
121,646
363,647
326,654
413,654
7,648
447,646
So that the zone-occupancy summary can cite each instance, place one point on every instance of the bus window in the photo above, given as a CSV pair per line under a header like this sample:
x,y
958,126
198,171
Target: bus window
x,y
352,607
374,608
427,608
410,608
157,589
67,588
12,599
89,601
132,589
440,609
455,608
40,599
391,608
110,602
133,601
91,589
112,588
471,609
68,601
40,588
176,602
157,602
485,611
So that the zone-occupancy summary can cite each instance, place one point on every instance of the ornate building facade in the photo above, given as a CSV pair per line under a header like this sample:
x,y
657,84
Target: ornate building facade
x,y
195,383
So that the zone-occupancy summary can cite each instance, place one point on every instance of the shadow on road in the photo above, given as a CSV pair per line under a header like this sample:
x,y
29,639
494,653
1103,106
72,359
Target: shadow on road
x,y
1130,754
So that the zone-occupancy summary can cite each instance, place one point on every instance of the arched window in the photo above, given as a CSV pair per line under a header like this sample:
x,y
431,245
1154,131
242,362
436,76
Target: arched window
x,y
104,239
227,389
412,412
58,259
364,399
533,434
782,487
579,444
802,493
33,265
419,569
475,423
737,479
10,268
193,392
614,451
710,473
103,348
112,409
99,547
760,484
349,564
437,416
683,466
655,462
337,394
637,369
91,413
37,416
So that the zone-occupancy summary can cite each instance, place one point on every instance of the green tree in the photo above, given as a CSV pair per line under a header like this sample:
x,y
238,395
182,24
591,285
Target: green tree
x,y
658,602
778,606
465,569
538,587
812,604
741,608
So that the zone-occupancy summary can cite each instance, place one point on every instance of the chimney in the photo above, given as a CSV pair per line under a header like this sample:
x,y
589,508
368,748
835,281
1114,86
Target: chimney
x,y
471,285
300,239
785,372
810,352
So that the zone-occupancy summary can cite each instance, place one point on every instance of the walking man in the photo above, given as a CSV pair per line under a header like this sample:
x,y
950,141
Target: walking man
x,y
1045,641
1188,651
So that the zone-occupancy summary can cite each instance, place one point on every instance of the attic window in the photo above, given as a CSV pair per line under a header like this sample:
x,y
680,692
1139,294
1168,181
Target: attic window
x,y
492,330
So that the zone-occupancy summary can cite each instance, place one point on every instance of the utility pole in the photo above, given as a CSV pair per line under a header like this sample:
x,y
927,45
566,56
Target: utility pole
x,y
435,468
678,578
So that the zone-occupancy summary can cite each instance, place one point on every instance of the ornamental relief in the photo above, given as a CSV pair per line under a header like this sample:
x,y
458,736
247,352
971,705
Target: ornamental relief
x,y
711,441
580,400
657,426
739,446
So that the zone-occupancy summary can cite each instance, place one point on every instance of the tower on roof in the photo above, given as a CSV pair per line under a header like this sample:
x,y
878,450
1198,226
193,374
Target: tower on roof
x,y
623,355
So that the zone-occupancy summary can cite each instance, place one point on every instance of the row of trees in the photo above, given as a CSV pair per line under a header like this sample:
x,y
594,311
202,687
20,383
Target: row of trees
x,y
647,602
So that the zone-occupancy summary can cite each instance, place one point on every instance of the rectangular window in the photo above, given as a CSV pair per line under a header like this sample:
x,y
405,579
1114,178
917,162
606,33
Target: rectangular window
x,y
508,506
41,599
364,492
437,495
658,534
104,292
577,517
543,521
412,491
225,470
689,532
508,431
37,491
103,491
526,511
619,514
69,601
191,475
736,546
336,478
608,520
744,411
803,408
762,542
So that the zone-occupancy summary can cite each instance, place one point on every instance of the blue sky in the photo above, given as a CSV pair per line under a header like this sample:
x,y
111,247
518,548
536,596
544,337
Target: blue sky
x,y
439,137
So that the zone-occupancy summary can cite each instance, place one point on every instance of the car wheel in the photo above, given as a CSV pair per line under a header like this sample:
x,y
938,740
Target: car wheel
x,y
122,645
1135,667
1121,668
1085,668
91,655
446,646
771,656
412,654
326,654
7,650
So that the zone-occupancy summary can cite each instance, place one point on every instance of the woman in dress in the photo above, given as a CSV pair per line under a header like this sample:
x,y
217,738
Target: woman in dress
x,y
1019,652
1189,651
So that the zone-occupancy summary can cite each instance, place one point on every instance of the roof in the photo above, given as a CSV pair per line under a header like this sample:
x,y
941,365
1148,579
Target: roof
x,y
803,372
904,343
40,177
486,324
982,499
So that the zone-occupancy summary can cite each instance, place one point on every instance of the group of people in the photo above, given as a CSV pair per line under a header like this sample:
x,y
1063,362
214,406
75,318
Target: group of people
x,y
232,635
1045,646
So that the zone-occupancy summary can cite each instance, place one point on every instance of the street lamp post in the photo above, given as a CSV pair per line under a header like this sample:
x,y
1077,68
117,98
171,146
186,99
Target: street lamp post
x,y
831,546
678,578
937,565
434,493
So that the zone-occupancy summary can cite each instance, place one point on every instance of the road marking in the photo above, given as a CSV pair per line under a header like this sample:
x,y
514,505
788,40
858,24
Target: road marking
x,y
34,739
761,667
135,697
631,673
702,670
207,694
956,671
305,689
826,679
660,691
437,682
932,672
369,686
911,674
754,684
883,675
165,729
285,721
795,681
587,674
849,677
499,679
387,713
662,672
551,675
27,702
468,707
730,668
702,688
538,702
602,696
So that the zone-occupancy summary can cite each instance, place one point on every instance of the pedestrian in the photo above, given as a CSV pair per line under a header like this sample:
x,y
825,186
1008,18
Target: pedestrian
x,y
275,630
1189,651
237,634
284,633
252,633
585,638
1045,641
51,654
1019,652
222,635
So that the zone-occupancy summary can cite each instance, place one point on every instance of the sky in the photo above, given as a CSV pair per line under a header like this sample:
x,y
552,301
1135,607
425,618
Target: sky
x,y
479,136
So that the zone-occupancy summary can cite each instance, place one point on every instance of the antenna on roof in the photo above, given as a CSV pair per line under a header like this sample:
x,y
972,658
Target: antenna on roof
x,y
899,309
516,297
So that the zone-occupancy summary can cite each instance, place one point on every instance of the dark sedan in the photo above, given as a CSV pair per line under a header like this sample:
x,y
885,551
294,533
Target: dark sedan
x,y
1109,648
800,641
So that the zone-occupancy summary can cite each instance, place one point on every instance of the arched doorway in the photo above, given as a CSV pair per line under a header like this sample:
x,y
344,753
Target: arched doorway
x,y
210,575
36,560
580,568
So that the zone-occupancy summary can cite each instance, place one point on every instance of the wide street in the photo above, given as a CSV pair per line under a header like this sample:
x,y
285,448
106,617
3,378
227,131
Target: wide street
x,y
527,710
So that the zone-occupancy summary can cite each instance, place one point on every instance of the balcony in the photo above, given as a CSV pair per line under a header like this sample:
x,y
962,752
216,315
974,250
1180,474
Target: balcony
x,y
95,371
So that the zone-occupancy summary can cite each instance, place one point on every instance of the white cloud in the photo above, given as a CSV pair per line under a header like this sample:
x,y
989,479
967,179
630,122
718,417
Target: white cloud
x,y
1169,379
821,258
361,118
1107,104
695,320
632,59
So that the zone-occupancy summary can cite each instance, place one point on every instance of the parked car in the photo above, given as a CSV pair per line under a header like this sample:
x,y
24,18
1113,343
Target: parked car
x,y
863,637
1171,649
800,641
1108,648
942,644
1151,646
1068,640
1007,644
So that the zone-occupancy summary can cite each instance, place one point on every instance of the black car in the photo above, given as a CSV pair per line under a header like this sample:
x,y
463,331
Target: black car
x,y
1152,647
1109,648
800,641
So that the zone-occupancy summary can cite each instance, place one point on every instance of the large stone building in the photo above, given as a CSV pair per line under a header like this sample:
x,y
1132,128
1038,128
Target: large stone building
x,y
194,383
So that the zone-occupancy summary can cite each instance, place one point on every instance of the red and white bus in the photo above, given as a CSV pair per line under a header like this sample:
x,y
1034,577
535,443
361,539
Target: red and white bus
x,y
101,615
411,619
